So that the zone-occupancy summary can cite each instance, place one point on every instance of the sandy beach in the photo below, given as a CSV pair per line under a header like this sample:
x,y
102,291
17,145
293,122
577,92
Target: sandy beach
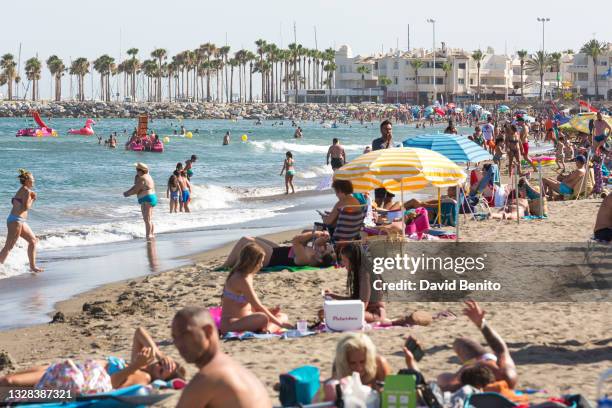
x,y
559,347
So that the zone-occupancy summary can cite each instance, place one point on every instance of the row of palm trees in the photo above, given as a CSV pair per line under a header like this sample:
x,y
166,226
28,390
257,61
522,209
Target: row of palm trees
x,y
204,74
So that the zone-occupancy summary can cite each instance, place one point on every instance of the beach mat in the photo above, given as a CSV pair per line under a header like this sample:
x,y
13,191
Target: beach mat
x,y
279,268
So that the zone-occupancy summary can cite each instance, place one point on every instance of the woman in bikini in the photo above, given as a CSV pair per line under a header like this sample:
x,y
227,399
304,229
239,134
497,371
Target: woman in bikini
x,y
289,171
16,222
512,143
147,364
144,188
242,309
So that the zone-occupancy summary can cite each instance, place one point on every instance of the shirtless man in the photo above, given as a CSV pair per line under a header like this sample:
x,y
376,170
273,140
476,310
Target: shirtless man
x,y
603,222
336,152
220,382
188,164
298,133
568,183
524,138
144,188
471,353
226,138
512,142
185,187
600,136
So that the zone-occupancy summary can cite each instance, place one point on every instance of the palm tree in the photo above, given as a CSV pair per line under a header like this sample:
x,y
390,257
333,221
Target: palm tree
x,y
417,64
363,70
223,53
159,54
295,54
80,68
538,64
9,72
249,58
133,66
330,68
261,49
447,68
32,70
522,54
555,60
233,63
384,82
594,49
56,68
478,57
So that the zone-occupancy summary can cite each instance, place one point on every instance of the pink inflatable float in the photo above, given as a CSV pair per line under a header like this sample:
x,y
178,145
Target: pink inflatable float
x,y
86,130
42,130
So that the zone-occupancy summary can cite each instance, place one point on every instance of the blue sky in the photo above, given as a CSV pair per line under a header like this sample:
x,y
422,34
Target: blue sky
x,y
73,28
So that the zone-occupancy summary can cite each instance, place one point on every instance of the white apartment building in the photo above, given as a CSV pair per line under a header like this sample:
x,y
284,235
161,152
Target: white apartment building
x,y
461,82
583,74
553,80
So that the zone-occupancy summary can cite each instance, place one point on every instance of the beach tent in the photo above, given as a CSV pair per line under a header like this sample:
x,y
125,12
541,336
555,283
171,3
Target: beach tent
x,y
458,149
402,169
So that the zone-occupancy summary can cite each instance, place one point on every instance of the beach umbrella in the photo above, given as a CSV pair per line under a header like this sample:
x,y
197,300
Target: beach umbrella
x,y
521,111
401,169
580,122
450,105
503,108
458,110
458,149
353,108
439,111
474,107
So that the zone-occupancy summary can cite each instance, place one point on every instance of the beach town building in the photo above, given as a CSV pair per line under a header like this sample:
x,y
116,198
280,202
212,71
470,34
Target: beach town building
x,y
555,81
408,77
582,73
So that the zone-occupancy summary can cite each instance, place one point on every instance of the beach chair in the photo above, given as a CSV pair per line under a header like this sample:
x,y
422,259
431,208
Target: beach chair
x,y
488,400
449,213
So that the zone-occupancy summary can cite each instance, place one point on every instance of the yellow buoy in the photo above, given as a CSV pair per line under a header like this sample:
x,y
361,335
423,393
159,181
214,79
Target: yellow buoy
x,y
245,138
54,133
166,139
188,135
38,133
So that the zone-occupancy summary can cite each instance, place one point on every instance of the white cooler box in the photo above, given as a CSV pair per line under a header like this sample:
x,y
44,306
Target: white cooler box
x,y
343,315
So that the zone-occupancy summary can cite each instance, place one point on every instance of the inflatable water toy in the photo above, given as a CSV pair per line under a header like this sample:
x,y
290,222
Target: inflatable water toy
x,y
42,130
142,142
544,160
245,138
86,130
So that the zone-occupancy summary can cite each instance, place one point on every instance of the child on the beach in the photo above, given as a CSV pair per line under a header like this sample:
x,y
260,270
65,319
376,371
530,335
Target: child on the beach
x,y
289,171
172,192
560,154
499,151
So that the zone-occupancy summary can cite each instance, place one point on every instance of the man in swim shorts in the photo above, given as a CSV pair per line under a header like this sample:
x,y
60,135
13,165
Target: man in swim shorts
x,y
337,155
220,382
567,184
601,131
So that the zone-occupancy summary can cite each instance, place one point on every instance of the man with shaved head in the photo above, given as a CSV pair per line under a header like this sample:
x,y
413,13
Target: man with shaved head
x,y
220,382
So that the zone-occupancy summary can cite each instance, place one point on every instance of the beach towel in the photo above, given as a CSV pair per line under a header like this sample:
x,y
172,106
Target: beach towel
x,y
293,268
283,335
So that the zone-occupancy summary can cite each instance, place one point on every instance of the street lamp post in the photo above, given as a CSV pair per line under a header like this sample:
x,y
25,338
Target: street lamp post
x,y
433,23
543,20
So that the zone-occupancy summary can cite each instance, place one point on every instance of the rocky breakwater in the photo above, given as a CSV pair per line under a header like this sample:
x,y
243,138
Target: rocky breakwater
x,y
192,110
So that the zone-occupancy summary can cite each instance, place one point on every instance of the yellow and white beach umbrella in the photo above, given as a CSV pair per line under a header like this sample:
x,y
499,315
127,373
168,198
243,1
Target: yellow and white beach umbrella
x,y
401,169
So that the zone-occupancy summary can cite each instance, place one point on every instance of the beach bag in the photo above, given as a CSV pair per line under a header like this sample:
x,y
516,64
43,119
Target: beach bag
x,y
344,315
420,224
299,386
500,195
357,395
86,378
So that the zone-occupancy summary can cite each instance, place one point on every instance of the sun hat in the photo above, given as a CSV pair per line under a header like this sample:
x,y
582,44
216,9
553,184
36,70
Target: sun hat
x,y
141,166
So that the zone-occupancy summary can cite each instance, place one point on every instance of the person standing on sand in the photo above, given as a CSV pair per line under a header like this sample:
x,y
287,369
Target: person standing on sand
x,y
220,381
487,132
600,135
144,188
16,222
337,155
289,170
383,142
524,137
226,138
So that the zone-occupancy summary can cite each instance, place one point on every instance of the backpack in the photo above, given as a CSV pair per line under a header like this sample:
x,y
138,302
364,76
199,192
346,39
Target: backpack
x,y
299,386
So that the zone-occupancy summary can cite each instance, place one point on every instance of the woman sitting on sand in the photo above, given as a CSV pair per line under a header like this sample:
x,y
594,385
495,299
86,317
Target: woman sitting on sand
x,y
147,364
242,309
355,352
344,193
16,222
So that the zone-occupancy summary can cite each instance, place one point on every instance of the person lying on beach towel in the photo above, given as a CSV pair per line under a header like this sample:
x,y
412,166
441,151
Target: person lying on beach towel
x,y
220,382
146,365
241,308
321,253
471,353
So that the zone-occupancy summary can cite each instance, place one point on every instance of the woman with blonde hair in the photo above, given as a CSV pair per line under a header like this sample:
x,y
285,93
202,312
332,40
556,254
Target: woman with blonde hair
x,y
241,308
16,222
357,353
